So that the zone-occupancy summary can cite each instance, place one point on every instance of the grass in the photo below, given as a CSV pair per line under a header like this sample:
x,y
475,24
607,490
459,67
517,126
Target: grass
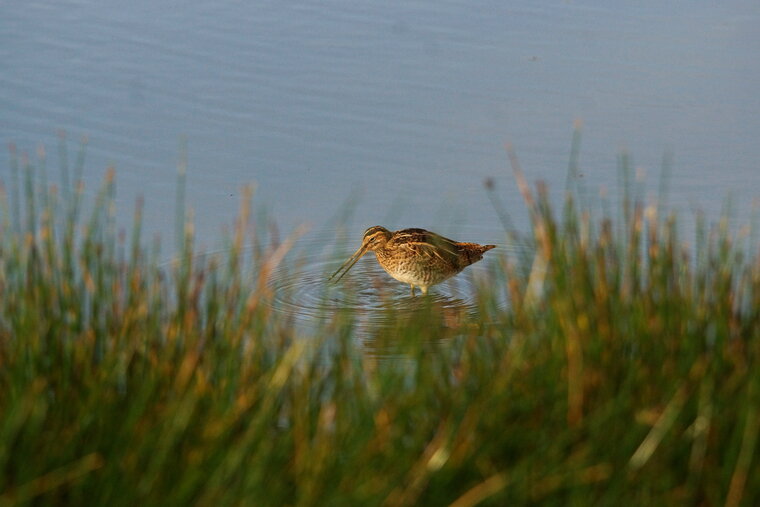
x,y
625,368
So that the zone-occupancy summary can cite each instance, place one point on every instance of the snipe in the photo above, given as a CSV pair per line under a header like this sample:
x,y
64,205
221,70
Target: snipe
x,y
415,256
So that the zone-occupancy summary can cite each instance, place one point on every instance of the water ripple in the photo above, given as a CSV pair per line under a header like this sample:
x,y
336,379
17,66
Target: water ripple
x,y
368,295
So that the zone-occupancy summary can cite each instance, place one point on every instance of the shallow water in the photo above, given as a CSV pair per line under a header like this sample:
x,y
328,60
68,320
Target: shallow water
x,y
400,108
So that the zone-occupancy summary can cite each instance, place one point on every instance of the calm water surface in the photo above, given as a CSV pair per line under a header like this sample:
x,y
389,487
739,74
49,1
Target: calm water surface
x,y
402,107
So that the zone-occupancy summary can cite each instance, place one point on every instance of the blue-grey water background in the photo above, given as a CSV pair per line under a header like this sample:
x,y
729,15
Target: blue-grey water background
x,y
400,107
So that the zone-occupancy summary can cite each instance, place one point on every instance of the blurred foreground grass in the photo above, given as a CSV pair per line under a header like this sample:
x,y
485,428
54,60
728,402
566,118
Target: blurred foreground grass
x,y
625,370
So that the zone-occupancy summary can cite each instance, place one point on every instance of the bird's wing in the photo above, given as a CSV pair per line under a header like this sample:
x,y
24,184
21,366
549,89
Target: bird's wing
x,y
426,244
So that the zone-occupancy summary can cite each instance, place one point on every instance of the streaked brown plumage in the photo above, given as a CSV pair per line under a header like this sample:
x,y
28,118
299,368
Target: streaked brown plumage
x,y
415,256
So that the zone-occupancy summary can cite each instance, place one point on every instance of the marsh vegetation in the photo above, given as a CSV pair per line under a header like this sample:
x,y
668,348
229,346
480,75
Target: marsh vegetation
x,y
624,366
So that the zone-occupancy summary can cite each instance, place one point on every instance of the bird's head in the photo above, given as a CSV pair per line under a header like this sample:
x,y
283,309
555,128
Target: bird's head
x,y
374,238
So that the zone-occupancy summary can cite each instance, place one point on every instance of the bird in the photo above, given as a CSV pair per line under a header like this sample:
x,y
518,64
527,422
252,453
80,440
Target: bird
x,y
414,256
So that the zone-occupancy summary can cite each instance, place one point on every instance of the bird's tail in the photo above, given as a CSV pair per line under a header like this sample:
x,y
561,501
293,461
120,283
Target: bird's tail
x,y
472,252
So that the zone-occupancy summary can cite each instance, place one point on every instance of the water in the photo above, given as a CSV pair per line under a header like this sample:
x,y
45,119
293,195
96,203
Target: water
x,y
400,107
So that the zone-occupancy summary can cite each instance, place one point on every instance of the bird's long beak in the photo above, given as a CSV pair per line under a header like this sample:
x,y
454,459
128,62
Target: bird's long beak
x,y
349,263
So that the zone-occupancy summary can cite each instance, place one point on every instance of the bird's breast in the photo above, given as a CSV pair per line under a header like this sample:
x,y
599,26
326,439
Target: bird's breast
x,y
413,269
